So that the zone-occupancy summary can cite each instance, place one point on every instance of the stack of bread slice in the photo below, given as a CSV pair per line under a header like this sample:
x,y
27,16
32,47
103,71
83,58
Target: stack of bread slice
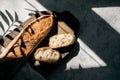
x,y
50,54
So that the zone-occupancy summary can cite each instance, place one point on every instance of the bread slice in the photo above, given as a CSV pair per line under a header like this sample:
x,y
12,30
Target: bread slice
x,y
61,40
47,54
29,37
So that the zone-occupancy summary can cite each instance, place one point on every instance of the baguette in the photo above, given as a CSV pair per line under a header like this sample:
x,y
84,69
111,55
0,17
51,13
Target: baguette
x,y
29,37
61,40
47,54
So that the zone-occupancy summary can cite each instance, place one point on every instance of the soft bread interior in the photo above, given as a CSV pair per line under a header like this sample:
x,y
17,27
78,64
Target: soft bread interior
x,y
46,54
61,40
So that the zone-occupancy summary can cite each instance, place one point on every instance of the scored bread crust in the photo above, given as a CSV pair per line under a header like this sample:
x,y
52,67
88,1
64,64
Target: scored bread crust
x,y
31,37
47,54
61,40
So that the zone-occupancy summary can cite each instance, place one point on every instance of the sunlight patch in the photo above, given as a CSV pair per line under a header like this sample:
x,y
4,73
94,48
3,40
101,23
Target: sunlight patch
x,y
86,58
111,15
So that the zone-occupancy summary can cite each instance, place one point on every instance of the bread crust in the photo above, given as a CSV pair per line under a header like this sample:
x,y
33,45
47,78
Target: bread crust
x,y
31,37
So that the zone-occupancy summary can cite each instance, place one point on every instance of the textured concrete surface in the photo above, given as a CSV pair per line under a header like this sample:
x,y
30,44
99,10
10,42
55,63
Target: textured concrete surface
x,y
96,55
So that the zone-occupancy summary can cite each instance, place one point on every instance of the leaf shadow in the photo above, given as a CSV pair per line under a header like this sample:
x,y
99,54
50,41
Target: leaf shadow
x,y
33,12
31,5
2,27
14,19
10,16
17,18
4,17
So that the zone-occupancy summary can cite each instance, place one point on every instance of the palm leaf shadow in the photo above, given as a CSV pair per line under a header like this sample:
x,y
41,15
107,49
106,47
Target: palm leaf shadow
x,y
31,5
2,27
33,11
6,19
10,16
17,18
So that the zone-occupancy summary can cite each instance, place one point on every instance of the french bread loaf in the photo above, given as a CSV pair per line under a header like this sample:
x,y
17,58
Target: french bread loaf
x,y
28,39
